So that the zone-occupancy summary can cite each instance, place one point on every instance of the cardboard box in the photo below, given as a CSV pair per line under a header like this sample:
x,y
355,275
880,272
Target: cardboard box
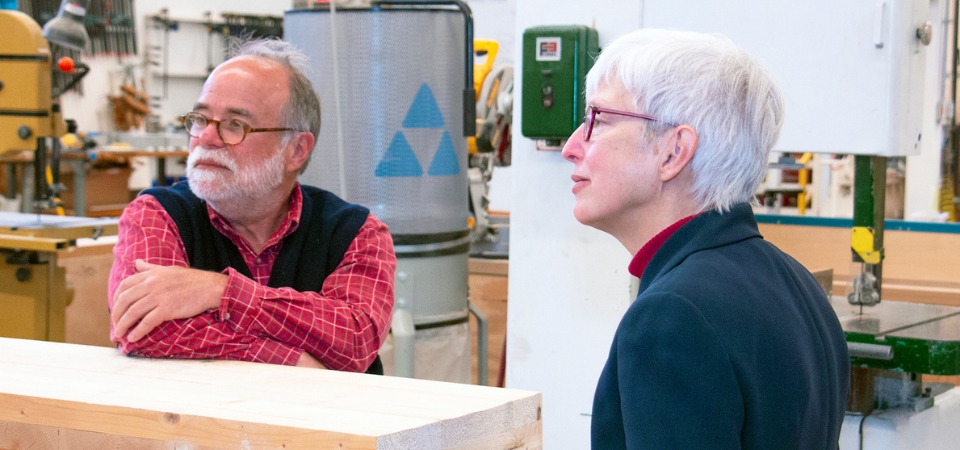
x,y
106,190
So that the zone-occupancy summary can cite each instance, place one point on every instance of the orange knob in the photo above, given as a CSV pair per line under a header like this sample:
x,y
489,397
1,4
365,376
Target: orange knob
x,y
66,64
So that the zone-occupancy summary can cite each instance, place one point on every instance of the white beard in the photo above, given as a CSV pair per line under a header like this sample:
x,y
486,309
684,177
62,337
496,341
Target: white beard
x,y
237,185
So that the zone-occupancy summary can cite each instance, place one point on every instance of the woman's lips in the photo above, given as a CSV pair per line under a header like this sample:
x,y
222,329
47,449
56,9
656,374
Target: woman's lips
x,y
579,183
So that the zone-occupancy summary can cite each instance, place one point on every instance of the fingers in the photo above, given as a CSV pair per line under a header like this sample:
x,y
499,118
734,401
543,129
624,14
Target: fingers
x,y
155,294
125,296
129,293
134,312
146,325
121,298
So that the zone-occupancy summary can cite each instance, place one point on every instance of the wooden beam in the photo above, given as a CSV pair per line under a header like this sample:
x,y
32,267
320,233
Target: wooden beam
x,y
81,393
480,266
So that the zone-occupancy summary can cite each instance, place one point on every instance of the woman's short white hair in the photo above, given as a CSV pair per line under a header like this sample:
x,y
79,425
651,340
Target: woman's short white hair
x,y
705,81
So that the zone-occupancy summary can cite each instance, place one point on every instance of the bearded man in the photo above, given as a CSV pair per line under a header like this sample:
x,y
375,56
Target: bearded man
x,y
240,261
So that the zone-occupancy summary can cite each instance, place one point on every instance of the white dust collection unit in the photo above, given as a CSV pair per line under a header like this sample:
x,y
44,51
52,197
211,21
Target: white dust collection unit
x,y
391,80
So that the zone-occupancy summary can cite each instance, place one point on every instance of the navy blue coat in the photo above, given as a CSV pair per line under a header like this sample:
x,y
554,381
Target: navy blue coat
x,y
730,344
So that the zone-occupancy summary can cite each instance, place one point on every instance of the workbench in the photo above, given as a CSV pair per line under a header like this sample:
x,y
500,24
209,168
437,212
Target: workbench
x,y
33,289
78,160
66,396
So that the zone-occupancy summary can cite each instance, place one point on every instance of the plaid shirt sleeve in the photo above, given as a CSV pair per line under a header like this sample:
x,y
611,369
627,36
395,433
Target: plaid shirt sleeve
x,y
344,324
147,232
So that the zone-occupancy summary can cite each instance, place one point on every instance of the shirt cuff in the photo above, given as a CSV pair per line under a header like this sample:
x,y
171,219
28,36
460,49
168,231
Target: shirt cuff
x,y
240,302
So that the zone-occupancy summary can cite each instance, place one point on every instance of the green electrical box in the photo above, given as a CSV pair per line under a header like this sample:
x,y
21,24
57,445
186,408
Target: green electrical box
x,y
556,60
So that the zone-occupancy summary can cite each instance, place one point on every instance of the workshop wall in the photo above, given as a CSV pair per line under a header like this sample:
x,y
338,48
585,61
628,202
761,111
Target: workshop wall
x,y
92,109
493,19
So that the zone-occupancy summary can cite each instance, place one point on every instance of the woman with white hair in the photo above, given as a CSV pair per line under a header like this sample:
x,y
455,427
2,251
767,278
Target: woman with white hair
x,y
730,344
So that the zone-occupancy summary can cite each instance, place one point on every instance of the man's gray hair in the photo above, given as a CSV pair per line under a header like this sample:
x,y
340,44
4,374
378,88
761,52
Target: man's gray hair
x,y
302,111
705,81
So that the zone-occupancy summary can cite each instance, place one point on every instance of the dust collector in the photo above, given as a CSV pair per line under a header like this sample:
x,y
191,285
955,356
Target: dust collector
x,y
393,79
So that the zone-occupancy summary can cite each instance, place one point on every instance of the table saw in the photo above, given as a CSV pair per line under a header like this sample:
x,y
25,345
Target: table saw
x,y
33,289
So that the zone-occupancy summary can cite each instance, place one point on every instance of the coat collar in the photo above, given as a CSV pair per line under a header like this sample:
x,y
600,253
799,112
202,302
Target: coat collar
x,y
708,230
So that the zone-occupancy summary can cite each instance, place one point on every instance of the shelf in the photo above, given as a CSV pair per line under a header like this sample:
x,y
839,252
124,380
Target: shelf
x,y
201,76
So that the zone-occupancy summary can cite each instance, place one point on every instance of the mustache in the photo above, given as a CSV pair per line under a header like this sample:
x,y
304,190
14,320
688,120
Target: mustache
x,y
200,153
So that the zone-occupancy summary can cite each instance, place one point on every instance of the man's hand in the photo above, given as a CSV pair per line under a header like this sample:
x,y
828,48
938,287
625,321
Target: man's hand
x,y
156,294
307,360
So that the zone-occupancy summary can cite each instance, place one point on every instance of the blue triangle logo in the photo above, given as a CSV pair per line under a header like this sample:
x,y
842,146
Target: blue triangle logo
x,y
424,112
445,161
399,160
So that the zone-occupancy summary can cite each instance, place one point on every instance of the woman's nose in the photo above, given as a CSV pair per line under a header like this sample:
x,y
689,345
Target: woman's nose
x,y
573,149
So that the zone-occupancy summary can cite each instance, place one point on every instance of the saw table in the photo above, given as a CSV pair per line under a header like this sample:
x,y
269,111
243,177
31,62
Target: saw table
x,y
892,344
33,288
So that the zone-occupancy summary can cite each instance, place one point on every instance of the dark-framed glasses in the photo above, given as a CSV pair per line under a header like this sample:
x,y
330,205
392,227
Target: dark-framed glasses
x,y
231,131
591,117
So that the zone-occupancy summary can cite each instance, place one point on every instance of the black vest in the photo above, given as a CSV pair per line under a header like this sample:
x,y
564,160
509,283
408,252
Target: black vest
x,y
327,227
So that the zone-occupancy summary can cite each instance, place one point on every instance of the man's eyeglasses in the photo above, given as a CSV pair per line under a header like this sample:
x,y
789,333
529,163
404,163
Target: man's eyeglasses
x,y
231,131
591,117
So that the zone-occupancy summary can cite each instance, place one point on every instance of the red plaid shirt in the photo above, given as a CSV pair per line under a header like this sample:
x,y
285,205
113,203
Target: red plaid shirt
x,y
343,325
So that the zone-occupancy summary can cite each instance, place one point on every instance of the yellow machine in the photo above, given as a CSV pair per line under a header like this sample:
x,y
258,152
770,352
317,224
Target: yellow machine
x,y
29,110
33,290
25,99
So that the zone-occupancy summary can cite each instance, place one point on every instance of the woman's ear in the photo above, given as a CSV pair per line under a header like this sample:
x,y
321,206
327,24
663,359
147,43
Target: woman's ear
x,y
684,145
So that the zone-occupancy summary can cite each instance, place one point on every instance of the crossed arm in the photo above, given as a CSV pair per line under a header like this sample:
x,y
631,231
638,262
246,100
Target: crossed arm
x,y
162,308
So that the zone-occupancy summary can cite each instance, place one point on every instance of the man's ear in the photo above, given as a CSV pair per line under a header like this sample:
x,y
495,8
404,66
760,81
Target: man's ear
x,y
684,145
303,145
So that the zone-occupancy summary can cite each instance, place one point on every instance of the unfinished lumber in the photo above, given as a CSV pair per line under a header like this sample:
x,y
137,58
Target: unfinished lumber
x,y
66,396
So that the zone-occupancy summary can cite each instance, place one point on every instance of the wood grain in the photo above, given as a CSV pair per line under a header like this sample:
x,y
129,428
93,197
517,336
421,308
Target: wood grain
x,y
60,390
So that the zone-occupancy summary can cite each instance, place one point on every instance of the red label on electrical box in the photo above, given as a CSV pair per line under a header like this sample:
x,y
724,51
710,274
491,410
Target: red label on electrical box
x,y
548,49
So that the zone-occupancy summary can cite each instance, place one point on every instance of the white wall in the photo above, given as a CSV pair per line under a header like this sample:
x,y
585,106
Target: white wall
x,y
568,283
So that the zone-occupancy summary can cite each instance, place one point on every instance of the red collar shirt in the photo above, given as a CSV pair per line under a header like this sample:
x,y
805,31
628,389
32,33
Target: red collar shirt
x,y
639,262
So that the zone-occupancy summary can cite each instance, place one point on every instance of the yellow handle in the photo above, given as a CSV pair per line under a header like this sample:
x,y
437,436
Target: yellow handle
x,y
488,48
803,178
56,200
862,243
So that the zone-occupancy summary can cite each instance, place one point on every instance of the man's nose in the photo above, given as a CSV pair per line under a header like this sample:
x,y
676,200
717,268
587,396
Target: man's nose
x,y
210,136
